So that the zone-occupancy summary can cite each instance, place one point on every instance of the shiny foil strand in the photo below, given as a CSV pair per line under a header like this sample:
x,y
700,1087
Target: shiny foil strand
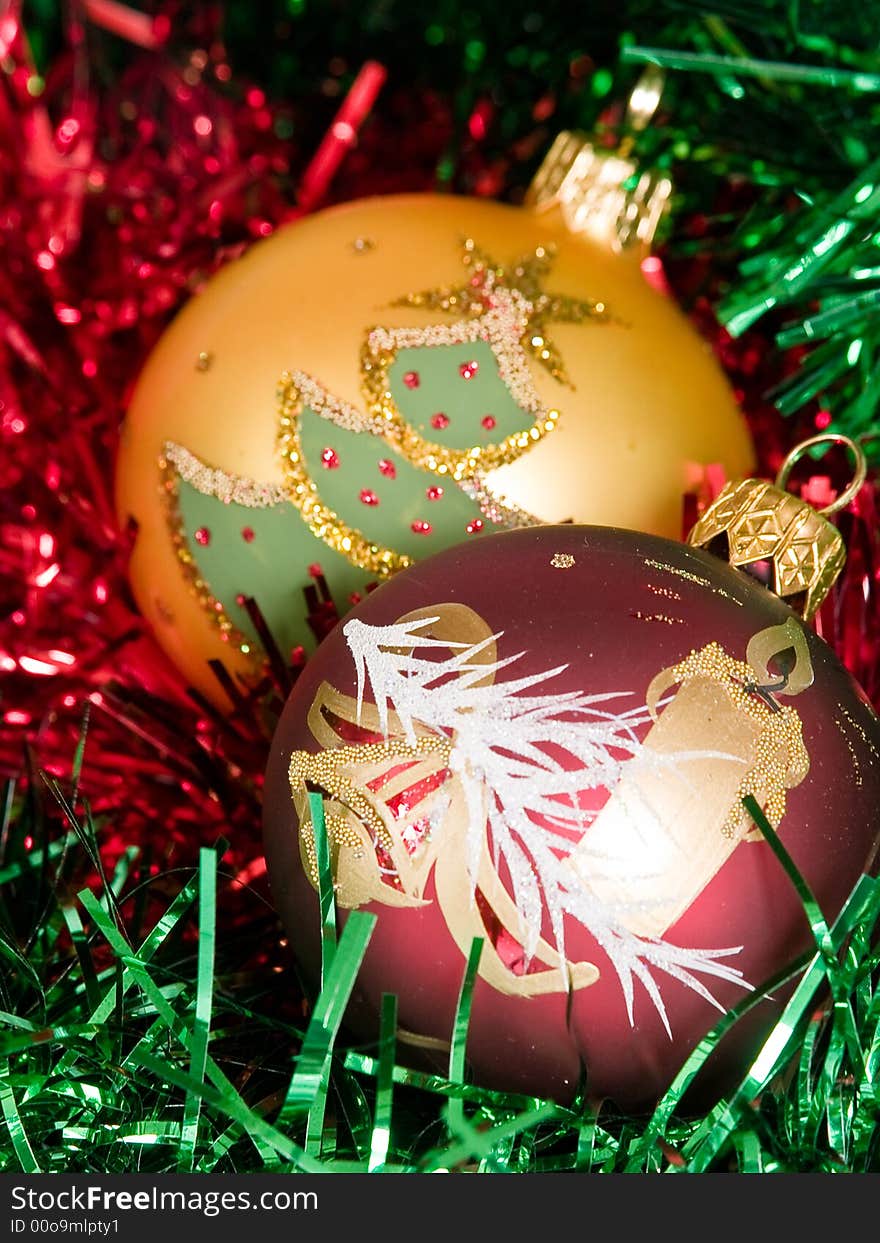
x,y
381,1137
204,1000
175,1026
455,1108
712,1133
324,870
307,1090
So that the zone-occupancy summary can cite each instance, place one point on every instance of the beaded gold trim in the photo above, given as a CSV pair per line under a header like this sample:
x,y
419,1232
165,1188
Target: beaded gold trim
x,y
169,473
355,821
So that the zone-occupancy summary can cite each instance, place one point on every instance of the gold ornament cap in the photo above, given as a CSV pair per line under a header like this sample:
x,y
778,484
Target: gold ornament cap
x,y
603,194
779,538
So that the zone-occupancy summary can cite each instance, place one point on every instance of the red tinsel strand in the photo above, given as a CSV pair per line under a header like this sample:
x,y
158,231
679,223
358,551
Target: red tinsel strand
x,y
118,202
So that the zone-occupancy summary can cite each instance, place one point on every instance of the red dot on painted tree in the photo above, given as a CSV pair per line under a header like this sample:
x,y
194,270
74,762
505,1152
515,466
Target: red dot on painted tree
x,y
474,527
315,570
434,493
422,528
439,421
488,421
387,468
329,458
468,370
412,379
368,497
248,534
203,536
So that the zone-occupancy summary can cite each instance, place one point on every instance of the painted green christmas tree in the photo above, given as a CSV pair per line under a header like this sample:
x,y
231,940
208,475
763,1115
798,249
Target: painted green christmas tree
x,y
367,493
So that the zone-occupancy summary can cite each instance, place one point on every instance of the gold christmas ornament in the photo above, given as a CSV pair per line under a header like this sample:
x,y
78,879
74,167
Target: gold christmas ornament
x,y
392,376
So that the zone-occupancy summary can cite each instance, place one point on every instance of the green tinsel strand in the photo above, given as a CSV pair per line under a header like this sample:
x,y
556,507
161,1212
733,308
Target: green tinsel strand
x,y
812,67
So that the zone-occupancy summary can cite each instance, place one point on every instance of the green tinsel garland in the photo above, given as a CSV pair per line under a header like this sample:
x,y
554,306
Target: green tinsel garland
x,y
134,1053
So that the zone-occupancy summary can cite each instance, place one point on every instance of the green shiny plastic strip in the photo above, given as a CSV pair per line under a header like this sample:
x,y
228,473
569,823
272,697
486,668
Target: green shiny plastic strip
x,y
150,945
645,1151
707,1140
498,1161
309,1083
838,318
818,926
481,1143
861,905
772,279
381,1137
326,889
204,998
20,963
220,1146
79,753
231,1104
355,1110
458,1046
484,1098
81,946
34,860
46,1036
227,1095
748,67
14,1125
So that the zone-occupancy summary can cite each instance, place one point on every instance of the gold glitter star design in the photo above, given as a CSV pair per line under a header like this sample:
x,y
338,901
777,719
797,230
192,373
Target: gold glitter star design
x,y
475,296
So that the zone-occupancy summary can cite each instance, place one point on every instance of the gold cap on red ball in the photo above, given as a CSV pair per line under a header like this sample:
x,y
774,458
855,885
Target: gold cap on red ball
x,y
779,538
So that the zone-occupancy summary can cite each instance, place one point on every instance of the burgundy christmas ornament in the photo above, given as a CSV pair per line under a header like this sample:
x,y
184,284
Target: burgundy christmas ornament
x,y
544,739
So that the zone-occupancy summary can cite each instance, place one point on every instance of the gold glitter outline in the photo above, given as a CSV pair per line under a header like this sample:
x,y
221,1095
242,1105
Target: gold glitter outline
x,y
295,393
383,419
209,603
497,328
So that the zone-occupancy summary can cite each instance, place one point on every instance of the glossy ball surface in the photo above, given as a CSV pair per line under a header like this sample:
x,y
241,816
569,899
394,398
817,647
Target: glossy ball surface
x,y
601,797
